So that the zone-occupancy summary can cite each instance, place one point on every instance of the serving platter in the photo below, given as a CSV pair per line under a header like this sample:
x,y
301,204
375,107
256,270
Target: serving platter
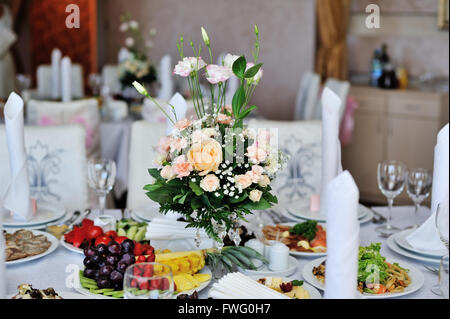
x,y
417,280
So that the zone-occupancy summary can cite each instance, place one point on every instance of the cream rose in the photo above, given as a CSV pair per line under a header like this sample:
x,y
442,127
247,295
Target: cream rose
x,y
256,173
264,181
243,181
255,195
256,153
205,156
210,183
168,173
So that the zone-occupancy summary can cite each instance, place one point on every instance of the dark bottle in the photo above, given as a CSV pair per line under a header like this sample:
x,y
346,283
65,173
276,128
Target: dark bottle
x,y
376,68
388,80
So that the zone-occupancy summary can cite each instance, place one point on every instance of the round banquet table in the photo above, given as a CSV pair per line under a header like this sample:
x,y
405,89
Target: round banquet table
x,y
50,271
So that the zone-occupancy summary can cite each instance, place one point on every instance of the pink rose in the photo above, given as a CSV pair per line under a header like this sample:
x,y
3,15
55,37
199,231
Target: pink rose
x,y
256,153
183,124
256,173
243,181
210,183
164,144
217,74
182,167
188,65
178,144
223,119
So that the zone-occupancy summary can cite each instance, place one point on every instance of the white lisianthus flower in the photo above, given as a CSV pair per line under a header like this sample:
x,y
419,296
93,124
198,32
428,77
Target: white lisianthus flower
x,y
134,25
229,60
258,75
140,88
129,42
255,195
188,65
217,74
210,183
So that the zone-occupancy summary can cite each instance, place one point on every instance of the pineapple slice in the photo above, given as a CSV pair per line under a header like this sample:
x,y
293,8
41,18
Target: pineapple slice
x,y
202,277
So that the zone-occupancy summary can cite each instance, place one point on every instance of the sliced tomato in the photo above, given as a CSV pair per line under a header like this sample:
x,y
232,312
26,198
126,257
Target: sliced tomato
x,y
120,239
105,240
94,232
381,289
138,249
111,234
87,222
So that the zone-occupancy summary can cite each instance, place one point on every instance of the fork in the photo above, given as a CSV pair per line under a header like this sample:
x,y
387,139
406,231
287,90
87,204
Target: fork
x,y
431,269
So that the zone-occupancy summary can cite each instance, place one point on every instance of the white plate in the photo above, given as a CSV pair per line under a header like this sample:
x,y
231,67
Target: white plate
x,y
367,218
69,295
400,240
417,280
45,214
70,246
304,213
52,239
313,292
266,272
202,286
394,247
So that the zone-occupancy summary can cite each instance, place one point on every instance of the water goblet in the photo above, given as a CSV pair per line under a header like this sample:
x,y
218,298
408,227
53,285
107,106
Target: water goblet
x,y
418,188
101,177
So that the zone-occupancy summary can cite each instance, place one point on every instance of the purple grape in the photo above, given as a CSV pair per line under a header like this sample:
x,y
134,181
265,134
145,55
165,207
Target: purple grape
x,y
112,260
116,277
90,273
101,249
115,249
128,246
106,270
128,259
122,266
89,252
97,259
89,263
103,283
118,286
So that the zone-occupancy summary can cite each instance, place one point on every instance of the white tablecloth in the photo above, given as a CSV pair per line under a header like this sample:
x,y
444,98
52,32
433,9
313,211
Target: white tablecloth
x,y
115,144
50,271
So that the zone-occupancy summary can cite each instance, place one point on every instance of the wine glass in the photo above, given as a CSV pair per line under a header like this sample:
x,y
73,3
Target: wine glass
x,y
418,188
391,182
95,83
442,224
148,281
443,278
101,177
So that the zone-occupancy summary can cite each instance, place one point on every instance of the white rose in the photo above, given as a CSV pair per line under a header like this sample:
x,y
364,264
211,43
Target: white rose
x,y
210,183
168,173
264,181
243,181
255,195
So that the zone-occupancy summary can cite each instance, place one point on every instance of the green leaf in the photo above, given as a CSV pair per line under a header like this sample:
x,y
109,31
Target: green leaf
x,y
195,188
152,187
238,100
196,203
239,200
205,201
244,114
154,172
261,205
250,73
239,67
160,195
270,198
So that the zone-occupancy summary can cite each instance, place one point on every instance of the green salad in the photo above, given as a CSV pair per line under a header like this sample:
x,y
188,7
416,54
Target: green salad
x,y
370,262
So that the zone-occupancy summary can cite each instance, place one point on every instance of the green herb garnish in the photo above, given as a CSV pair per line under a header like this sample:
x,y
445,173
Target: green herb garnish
x,y
307,229
297,283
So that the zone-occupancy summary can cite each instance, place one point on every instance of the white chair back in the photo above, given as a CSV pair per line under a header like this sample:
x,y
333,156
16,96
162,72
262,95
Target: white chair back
x,y
341,88
44,81
110,78
307,97
84,112
166,78
302,141
145,138
56,164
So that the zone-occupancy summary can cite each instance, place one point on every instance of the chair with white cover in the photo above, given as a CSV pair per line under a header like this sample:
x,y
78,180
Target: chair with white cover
x,y
56,159
110,78
145,138
84,112
302,141
307,97
166,78
341,88
44,81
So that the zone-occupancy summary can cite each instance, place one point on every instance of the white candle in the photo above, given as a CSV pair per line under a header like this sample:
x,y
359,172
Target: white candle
x,y
56,78
66,85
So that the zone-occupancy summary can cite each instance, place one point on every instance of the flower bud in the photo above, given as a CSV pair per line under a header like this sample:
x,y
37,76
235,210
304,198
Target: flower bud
x,y
205,37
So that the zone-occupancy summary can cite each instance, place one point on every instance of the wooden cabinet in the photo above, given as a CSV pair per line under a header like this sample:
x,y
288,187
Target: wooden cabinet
x,y
400,125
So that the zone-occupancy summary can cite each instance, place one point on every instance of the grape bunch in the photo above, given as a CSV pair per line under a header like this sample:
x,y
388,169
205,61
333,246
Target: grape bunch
x,y
106,264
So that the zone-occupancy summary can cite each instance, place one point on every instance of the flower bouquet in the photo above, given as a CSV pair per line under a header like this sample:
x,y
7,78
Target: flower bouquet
x,y
136,66
213,170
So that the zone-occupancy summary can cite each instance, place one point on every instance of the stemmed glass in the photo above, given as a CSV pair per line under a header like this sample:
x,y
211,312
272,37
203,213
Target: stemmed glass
x,y
148,281
391,182
95,83
101,177
418,188
442,225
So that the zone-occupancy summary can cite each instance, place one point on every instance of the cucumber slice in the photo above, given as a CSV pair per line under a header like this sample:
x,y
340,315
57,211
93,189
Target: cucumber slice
x,y
132,232
121,232
140,235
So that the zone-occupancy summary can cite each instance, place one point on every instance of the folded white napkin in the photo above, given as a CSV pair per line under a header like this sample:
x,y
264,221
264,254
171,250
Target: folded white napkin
x,y
341,205
426,237
56,73
166,78
17,198
169,229
66,79
239,286
180,107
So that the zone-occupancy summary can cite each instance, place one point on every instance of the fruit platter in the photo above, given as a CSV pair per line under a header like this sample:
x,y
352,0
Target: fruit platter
x,y
88,234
